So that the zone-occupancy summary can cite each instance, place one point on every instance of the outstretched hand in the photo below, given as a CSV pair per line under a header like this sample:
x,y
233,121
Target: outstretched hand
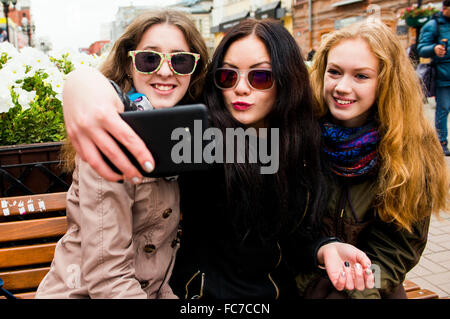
x,y
91,106
347,266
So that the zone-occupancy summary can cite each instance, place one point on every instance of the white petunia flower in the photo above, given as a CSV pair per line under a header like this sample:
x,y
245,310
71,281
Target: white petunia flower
x,y
55,79
12,71
34,58
9,49
5,99
98,60
25,97
81,59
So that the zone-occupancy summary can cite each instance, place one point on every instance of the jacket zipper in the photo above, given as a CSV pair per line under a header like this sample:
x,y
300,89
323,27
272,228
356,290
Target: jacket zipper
x,y
340,218
349,200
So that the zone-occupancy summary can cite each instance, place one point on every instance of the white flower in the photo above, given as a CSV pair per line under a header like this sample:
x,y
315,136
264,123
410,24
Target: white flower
x,y
34,58
97,60
81,59
55,78
9,49
5,99
12,71
27,63
25,97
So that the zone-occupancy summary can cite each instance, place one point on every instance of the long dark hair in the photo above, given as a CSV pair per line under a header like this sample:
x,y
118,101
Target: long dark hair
x,y
273,204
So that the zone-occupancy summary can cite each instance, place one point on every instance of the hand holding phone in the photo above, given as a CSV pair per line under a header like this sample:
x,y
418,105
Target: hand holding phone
x,y
157,127
445,43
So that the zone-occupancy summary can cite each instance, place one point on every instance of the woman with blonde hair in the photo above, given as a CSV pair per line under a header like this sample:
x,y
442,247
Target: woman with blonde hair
x,y
122,237
387,170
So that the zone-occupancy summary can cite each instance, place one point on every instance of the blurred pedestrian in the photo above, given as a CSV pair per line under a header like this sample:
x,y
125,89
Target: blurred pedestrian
x,y
3,35
412,53
433,42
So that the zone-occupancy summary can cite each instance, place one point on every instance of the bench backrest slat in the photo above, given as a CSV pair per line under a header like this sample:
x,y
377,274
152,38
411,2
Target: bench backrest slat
x,y
33,229
23,279
28,245
32,204
26,255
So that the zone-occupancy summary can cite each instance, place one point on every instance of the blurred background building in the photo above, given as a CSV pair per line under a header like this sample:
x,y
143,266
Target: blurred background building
x,y
199,11
20,24
313,19
307,20
228,13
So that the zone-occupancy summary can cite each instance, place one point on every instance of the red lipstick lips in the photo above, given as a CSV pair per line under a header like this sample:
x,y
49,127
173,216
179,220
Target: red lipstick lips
x,y
241,106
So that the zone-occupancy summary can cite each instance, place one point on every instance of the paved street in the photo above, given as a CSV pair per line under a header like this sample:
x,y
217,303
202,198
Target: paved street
x,y
433,270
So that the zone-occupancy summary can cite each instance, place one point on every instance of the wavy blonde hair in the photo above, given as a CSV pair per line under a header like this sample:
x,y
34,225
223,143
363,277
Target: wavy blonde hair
x,y
118,64
413,180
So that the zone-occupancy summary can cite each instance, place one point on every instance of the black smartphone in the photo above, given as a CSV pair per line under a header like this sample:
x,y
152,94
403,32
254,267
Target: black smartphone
x,y
173,135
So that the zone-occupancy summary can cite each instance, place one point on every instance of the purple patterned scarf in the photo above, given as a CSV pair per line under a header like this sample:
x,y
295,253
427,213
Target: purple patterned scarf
x,y
351,152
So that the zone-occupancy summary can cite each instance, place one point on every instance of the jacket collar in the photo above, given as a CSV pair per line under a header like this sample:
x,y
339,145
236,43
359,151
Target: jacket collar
x,y
441,19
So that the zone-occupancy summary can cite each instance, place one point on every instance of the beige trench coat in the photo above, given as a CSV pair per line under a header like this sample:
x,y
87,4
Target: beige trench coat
x,y
121,239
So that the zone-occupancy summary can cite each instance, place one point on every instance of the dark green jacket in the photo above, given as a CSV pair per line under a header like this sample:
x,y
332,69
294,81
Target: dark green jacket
x,y
351,218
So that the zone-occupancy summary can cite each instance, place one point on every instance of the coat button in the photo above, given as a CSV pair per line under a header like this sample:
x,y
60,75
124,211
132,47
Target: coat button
x,y
149,248
144,284
167,213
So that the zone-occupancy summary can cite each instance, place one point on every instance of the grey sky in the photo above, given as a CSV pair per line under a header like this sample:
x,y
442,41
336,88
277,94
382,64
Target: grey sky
x,y
76,23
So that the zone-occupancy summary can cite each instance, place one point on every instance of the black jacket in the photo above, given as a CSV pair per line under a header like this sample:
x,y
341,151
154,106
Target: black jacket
x,y
213,262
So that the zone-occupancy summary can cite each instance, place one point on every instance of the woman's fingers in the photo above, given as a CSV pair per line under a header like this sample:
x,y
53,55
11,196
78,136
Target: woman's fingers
x,y
95,160
353,276
349,276
91,142
362,259
124,134
347,267
369,278
366,272
339,279
359,277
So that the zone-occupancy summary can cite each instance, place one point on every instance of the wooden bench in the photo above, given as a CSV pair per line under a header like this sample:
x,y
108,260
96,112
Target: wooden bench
x,y
413,291
30,227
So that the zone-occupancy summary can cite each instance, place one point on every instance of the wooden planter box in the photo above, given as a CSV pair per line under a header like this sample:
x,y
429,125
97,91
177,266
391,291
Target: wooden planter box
x,y
32,169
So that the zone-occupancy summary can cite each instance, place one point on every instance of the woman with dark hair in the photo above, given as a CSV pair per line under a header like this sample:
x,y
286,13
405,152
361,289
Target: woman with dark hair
x,y
247,234
291,114
242,228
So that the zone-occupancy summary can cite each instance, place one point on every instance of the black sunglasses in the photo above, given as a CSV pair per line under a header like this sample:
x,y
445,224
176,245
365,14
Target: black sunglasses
x,y
148,62
258,79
